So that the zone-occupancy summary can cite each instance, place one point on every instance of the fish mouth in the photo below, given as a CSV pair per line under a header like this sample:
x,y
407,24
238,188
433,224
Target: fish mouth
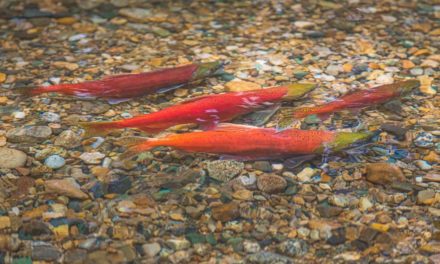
x,y
408,86
208,69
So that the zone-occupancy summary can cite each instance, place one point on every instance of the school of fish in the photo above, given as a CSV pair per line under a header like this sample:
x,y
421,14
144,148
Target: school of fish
x,y
231,141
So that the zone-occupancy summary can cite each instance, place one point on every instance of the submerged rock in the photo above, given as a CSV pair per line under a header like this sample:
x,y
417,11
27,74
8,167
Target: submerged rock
x,y
224,170
384,173
30,134
269,183
12,158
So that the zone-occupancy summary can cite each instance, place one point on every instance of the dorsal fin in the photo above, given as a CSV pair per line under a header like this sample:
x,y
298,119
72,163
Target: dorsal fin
x,y
197,98
110,77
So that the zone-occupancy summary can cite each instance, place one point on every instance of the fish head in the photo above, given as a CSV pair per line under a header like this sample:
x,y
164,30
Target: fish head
x,y
297,90
344,140
208,69
406,87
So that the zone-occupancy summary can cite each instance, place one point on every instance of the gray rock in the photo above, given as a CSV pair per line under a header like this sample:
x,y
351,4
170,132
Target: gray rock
x,y
89,4
75,256
416,71
426,197
178,243
262,166
68,139
30,134
266,257
293,247
11,158
151,249
251,246
136,14
45,252
224,170
54,162
50,117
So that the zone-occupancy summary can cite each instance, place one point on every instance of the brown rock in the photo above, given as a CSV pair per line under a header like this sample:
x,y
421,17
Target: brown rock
x,y
225,212
271,183
241,86
65,187
384,173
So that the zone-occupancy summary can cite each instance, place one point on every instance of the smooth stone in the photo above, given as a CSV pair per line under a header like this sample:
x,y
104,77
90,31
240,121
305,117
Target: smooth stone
x,y
426,197
30,134
306,174
75,256
243,194
12,158
384,173
92,157
267,257
328,211
262,166
45,252
396,130
54,162
430,177
67,187
68,139
50,117
151,249
241,86
136,14
271,184
365,204
303,24
178,243
225,212
224,170
416,71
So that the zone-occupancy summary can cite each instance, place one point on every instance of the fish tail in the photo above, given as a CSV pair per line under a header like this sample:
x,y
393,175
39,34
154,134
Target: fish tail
x,y
93,129
33,91
29,91
137,146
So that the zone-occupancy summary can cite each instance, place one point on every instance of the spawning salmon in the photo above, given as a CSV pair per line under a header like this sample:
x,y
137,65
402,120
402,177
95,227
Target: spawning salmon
x,y
206,111
122,87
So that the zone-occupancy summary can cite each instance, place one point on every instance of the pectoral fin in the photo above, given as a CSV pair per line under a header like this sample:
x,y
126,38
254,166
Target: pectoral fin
x,y
261,117
170,88
296,161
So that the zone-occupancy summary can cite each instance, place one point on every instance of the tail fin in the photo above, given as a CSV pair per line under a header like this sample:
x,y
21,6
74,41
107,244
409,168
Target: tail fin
x,y
93,129
28,91
139,145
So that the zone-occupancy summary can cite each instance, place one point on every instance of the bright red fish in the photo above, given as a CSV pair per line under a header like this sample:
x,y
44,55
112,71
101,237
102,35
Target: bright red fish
x,y
206,111
355,100
249,143
120,88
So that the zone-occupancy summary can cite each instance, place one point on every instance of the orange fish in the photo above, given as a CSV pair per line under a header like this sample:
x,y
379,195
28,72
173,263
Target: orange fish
x,y
355,100
122,87
206,111
248,142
